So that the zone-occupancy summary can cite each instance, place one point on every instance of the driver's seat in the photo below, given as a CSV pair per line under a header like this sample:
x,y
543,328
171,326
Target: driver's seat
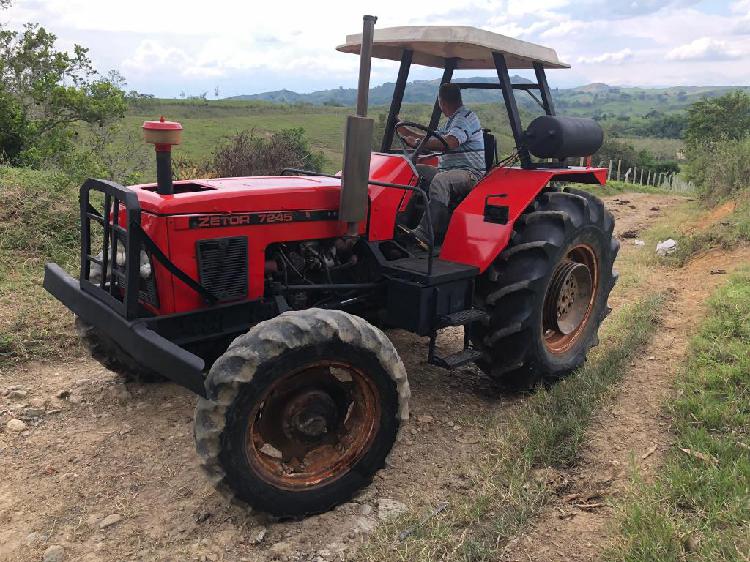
x,y
490,150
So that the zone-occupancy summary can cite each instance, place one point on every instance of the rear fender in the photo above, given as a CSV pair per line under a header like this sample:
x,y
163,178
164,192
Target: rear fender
x,y
472,240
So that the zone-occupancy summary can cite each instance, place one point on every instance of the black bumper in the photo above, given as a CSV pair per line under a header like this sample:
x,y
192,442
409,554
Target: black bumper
x,y
145,345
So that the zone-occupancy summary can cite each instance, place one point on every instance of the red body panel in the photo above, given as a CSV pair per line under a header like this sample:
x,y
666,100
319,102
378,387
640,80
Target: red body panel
x,y
166,219
473,241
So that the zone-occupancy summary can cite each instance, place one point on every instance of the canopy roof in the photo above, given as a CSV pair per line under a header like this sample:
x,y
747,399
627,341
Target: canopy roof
x,y
471,46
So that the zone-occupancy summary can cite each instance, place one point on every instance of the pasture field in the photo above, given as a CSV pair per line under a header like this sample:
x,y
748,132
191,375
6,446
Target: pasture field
x,y
207,123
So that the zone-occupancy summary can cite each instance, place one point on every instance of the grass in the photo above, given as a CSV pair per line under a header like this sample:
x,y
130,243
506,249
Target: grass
x,y
698,508
614,187
697,236
509,486
38,223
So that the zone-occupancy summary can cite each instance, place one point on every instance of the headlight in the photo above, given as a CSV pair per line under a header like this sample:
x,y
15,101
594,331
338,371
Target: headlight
x,y
120,255
145,265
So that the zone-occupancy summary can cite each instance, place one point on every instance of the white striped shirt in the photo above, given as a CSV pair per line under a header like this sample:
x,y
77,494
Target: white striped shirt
x,y
469,154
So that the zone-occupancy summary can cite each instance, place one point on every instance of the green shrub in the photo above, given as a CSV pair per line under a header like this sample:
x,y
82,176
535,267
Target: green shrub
x,y
721,169
248,154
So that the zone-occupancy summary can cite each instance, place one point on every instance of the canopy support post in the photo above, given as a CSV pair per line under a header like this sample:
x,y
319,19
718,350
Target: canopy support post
x,y
541,79
510,105
398,97
450,66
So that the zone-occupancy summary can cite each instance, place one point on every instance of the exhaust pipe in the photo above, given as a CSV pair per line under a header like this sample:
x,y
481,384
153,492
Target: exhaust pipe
x,y
358,141
365,64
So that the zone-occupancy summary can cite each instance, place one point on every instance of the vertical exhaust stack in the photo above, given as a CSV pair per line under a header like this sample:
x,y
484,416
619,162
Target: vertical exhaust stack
x,y
163,135
358,141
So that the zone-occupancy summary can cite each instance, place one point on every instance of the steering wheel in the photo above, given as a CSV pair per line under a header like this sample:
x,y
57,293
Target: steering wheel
x,y
418,149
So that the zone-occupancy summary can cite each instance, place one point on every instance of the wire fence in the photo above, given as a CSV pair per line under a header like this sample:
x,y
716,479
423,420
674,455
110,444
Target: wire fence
x,y
670,181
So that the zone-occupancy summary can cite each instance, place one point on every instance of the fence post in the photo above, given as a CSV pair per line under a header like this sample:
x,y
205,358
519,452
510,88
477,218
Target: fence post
x,y
619,162
641,180
635,174
609,173
627,175
648,179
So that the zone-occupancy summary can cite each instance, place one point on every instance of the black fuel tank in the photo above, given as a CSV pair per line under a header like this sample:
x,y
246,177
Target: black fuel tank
x,y
563,137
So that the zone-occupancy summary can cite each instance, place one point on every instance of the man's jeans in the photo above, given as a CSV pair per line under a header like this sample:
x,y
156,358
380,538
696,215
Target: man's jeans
x,y
446,187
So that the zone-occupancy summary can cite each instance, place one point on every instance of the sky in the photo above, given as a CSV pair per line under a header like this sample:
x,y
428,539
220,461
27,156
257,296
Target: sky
x,y
171,47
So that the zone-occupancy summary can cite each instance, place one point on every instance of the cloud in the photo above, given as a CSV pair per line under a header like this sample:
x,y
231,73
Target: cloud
x,y
617,57
152,57
615,10
703,49
163,49
565,29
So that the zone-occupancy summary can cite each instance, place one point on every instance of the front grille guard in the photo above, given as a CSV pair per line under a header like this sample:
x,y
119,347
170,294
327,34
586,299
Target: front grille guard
x,y
118,285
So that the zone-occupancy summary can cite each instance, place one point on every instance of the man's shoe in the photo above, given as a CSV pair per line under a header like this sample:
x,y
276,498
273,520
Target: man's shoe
x,y
416,234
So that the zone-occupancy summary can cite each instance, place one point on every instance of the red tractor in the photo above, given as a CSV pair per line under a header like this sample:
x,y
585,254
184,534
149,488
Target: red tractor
x,y
262,294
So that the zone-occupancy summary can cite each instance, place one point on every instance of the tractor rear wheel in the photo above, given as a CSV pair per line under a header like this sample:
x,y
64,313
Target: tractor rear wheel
x,y
106,351
301,412
547,292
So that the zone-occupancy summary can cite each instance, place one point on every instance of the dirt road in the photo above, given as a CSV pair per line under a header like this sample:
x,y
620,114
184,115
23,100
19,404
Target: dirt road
x,y
107,471
632,433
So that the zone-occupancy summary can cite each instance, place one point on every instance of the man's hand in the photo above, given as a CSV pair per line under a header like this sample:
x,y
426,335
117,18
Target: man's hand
x,y
412,140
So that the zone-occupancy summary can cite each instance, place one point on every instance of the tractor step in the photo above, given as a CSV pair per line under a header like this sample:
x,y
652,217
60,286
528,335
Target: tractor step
x,y
468,354
463,317
455,360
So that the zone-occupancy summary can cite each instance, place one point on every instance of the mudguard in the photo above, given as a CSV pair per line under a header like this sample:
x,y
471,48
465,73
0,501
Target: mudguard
x,y
476,238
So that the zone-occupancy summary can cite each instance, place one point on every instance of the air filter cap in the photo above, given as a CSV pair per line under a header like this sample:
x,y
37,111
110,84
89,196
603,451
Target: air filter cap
x,y
162,132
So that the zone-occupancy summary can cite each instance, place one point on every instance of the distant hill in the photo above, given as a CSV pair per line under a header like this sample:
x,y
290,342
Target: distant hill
x,y
595,99
418,91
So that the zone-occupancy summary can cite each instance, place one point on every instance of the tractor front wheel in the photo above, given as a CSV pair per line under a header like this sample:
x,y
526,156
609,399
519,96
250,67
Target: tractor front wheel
x,y
547,292
302,411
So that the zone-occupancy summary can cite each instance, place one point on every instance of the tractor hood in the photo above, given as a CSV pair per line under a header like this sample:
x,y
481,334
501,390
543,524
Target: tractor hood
x,y
265,193
244,194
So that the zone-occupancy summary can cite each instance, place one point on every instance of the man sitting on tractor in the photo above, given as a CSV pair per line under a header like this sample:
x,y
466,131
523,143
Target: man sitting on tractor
x,y
460,167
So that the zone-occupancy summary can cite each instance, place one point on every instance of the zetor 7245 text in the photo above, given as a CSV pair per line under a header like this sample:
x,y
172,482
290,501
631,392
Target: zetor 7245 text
x,y
266,296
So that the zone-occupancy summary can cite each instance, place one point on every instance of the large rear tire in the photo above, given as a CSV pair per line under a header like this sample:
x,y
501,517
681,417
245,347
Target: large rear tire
x,y
301,412
547,292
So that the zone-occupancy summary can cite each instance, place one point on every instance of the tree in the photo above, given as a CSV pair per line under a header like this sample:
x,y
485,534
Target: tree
x,y
44,92
723,118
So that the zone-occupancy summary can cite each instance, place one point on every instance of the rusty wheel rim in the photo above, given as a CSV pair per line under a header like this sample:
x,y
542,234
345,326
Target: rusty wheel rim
x,y
569,299
312,425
